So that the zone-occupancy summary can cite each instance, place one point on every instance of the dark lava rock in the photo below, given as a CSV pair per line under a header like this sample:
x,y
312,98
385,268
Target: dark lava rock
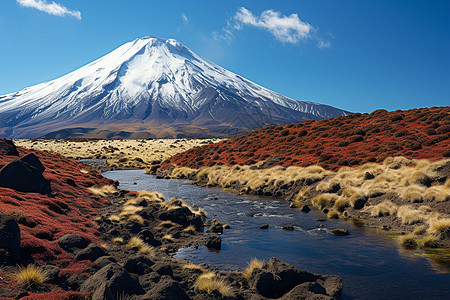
x,y
368,176
138,265
181,215
339,231
133,227
148,237
163,268
215,227
75,281
265,226
226,226
91,252
10,236
104,261
111,281
214,241
278,279
52,272
25,175
167,289
288,228
7,147
34,161
71,242
305,209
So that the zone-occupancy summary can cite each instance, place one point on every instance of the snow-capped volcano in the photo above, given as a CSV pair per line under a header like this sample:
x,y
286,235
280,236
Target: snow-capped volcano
x,y
149,87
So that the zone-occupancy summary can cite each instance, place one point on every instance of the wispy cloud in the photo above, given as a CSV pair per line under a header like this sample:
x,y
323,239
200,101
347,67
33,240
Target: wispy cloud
x,y
50,8
285,28
184,18
323,44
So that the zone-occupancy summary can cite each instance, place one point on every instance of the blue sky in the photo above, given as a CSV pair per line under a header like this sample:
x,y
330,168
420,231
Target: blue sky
x,y
356,55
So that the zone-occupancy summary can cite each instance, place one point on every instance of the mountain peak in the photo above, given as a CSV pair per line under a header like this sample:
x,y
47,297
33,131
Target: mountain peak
x,y
151,87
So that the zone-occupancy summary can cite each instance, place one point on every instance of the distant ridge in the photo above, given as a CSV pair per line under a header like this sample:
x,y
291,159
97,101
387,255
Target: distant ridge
x,y
150,87
333,143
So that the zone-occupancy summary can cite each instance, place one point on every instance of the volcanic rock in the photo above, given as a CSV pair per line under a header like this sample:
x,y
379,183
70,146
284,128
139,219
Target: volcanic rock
x,y
9,235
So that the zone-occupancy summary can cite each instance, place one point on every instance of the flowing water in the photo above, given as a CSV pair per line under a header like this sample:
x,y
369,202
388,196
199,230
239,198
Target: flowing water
x,y
370,262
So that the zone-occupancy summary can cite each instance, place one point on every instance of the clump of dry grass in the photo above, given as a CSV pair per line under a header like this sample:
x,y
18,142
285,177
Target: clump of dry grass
x,y
333,214
104,190
408,241
118,240
143,247
190,229
151,196
409,215
31,275
208,283
253,264
168,237
439,228
385,208
166,224
325,200
193,267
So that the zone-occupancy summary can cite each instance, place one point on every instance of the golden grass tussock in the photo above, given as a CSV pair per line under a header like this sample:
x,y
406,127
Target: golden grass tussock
x,y
115,218
137,218
31,275
333,214
329,186
190,229
413,193
409,215
167,224
84,171
325,200
420,230
385,208
118,240
208,283
183,172
439,228
168,237
438,193
104,190
151,196
253,264
408,241
143,247
194,267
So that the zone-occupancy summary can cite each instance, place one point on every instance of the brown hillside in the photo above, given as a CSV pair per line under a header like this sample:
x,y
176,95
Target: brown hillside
x,y
343,141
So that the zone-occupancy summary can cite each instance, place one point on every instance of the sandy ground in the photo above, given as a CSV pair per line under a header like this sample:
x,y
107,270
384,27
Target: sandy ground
x,y
119,154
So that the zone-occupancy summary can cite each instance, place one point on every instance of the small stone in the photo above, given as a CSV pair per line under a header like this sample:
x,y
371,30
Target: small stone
x,y
305,209
288,228
265,226
339,232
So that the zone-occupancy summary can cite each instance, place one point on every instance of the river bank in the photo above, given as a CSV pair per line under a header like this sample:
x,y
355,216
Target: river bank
x,y
402,195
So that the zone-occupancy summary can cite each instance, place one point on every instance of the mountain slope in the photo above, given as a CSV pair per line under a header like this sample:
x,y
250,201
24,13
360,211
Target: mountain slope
x,y
150,87
344,141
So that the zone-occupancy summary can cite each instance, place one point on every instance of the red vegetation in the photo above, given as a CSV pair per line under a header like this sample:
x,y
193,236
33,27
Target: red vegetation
x,y
332,143
44,218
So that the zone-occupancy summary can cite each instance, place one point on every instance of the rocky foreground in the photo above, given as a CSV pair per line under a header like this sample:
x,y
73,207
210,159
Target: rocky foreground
x,y
68,233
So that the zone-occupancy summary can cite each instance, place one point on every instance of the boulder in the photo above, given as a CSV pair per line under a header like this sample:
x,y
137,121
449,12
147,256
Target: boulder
x,y
138,265
71,242
91,252
25,175
215,227
163,268
167,289
339,232
305,209
9,236
111,280
277,278
214,241
148,237
7,147
52,273
181,215
104,261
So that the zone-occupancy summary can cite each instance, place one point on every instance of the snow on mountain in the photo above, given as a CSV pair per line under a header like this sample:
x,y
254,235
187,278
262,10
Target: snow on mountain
x,y
150,87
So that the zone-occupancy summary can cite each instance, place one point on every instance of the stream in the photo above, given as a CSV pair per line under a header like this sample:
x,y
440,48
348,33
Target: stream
x,y
370,262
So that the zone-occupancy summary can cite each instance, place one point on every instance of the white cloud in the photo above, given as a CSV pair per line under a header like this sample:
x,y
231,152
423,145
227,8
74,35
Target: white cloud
x,y
287,29
184,18
323,44
50,8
